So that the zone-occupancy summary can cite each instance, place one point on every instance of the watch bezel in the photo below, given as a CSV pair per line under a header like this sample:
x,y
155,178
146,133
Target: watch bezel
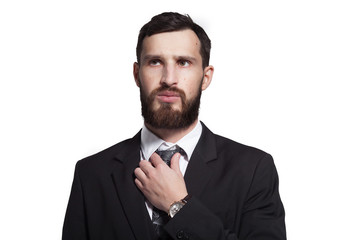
x,y
175,208
172,210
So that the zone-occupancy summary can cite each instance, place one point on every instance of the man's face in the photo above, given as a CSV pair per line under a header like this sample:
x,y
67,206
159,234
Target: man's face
x,y
171,78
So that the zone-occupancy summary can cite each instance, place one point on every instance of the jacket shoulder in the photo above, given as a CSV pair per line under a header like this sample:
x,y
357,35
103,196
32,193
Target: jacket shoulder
x,y
227,145
107,156
232,152
238,154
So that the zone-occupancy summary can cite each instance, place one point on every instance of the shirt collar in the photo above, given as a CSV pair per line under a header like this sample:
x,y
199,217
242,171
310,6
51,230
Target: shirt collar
x,y
150,142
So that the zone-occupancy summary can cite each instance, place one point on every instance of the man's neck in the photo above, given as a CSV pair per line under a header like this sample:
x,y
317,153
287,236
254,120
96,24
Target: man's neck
x,y
172,135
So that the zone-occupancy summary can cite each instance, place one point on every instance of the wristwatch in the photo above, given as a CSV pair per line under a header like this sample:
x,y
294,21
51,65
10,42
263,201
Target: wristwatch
x,y
176,206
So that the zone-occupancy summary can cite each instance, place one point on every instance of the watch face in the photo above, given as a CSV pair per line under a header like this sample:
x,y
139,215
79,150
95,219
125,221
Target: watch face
x,y
175,208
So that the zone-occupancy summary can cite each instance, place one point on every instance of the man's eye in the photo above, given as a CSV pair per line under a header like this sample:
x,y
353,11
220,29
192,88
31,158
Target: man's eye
x,y
155,62
184,63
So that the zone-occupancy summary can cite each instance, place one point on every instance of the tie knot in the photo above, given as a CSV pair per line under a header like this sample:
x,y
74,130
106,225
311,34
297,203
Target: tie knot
x,y
166,155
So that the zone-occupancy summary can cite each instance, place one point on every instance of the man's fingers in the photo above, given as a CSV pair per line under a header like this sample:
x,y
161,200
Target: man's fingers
x,y
155,159
138,183
146,166
140,174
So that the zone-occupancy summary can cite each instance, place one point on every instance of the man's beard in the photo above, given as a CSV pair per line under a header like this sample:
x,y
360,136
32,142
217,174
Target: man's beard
x,y
165,117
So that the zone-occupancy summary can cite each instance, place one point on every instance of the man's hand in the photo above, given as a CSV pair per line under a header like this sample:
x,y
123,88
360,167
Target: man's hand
x,y
162,185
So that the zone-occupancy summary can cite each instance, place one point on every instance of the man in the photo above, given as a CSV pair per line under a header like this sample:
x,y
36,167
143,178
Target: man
x,y
212,188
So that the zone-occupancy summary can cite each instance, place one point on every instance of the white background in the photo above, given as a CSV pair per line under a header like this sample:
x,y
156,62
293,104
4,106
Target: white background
x,y
287,80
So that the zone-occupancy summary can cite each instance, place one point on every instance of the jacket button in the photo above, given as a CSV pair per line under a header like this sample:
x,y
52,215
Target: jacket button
x,y
180,234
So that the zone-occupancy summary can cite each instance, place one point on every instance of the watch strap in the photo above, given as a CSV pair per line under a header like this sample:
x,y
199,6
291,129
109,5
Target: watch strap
x,y
186,199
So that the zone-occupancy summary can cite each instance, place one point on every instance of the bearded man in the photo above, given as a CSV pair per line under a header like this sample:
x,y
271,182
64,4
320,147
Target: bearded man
x,y
174,179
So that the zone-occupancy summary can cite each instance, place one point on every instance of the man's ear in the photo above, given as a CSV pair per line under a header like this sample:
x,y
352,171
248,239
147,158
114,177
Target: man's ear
x,y
136,69
208,72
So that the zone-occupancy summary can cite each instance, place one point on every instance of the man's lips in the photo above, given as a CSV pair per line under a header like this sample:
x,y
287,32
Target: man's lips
x,y
168,96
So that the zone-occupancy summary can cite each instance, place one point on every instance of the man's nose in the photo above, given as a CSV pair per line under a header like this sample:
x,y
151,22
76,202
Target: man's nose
x,y
169,76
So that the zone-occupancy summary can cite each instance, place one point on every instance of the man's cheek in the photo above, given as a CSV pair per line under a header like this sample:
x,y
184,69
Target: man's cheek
x,y
155,105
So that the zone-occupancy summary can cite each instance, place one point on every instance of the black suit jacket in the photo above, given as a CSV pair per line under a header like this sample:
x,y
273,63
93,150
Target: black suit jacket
x,y
234,192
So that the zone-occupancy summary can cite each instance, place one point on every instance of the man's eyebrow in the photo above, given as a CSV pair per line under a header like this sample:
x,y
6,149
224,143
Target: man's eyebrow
x,y
148,57
189,58
184,57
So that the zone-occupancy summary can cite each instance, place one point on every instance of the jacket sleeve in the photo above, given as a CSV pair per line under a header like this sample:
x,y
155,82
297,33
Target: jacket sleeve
x,y
75,226
262,213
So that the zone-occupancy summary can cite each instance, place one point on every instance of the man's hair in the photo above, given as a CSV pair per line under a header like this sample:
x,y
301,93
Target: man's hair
x,y
170,22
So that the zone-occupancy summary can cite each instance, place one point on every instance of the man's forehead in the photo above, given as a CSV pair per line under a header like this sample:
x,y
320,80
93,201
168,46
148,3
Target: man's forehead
x,y
184,42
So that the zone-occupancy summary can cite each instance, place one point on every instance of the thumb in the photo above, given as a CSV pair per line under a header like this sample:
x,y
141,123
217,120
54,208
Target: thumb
x,y
175,163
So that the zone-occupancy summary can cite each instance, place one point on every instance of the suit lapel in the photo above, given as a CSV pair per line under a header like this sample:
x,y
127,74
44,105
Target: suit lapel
x,y
198,172
131,198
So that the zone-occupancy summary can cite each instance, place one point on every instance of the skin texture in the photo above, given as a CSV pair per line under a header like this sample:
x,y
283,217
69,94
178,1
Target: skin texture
x,y
172,59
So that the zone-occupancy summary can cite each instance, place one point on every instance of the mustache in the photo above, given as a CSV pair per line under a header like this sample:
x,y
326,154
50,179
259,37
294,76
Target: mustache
x,y
156,91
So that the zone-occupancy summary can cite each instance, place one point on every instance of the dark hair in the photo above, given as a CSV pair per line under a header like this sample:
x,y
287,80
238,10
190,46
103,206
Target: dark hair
x,y
169,22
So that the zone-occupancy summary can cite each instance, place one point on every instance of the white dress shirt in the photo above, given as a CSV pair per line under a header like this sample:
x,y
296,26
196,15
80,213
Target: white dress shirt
x,y
150,143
